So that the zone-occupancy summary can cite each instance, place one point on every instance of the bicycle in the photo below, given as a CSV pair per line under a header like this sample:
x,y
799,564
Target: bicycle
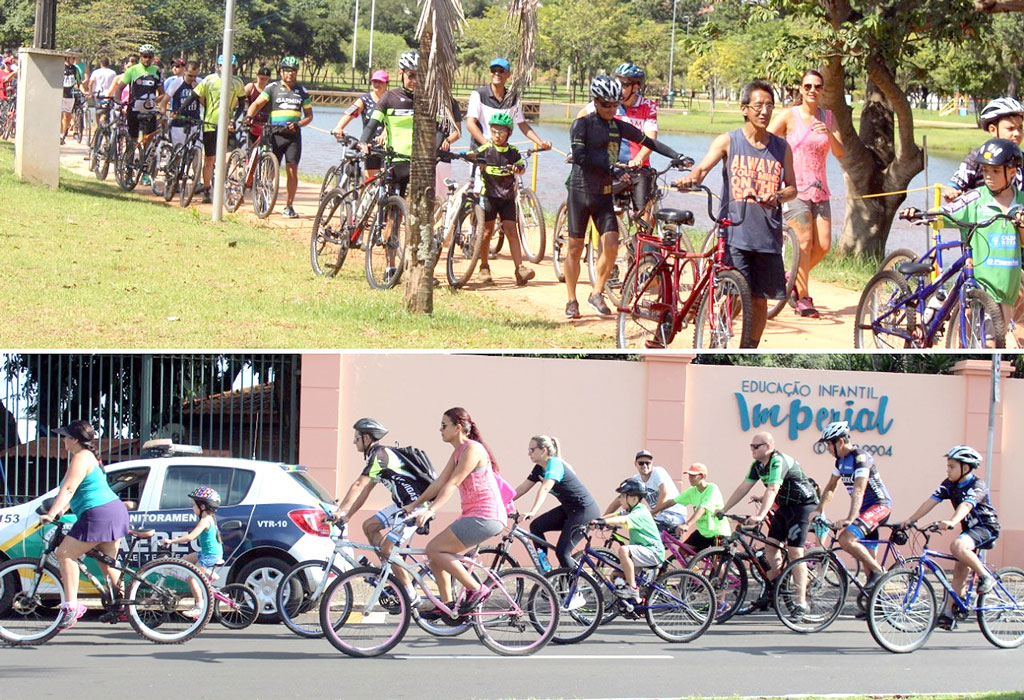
x,y
235,605
8,117
667,288
366,612
902,608
81,127
157,593
183,167
531,226
678,606
253,166
101,147
897,316
133,156
349,168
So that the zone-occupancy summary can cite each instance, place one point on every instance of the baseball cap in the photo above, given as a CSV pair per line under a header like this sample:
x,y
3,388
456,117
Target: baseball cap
x,y
696,468
643,453
264,70
502,63
381,76
179,62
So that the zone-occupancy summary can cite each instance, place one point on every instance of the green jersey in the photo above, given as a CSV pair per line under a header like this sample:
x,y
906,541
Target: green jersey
x,y
710,499
394,111
795,488
994,248
209,90
643,530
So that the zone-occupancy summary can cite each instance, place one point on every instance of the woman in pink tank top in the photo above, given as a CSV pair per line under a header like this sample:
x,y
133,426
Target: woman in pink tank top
x,y
470,470
811,133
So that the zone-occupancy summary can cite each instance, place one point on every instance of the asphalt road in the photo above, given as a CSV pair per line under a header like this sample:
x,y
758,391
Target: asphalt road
x,y
747,656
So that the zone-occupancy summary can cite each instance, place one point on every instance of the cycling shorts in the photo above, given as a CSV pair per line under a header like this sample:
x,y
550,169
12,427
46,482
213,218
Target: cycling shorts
x,y
791,523
983,537
401,175
493,208
374,162
583,206
210,142
764,272
869,520
392,517
287,146
145,120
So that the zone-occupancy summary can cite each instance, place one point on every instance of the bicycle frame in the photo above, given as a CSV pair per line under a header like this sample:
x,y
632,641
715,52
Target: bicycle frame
x,y
890,548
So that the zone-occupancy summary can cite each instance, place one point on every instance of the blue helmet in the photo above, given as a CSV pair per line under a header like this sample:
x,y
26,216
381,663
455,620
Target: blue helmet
x,y
631,71
234,60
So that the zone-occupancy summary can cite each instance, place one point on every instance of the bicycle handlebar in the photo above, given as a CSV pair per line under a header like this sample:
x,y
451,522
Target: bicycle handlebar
x,y
922,218
711,213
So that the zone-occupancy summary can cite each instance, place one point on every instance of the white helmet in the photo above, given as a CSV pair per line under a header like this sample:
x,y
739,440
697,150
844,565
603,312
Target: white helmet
x,y
965,455
408,60
834,431
605,87
999,108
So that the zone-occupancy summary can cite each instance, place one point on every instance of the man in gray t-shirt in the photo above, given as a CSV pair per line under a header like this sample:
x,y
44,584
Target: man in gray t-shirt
x,y
661,489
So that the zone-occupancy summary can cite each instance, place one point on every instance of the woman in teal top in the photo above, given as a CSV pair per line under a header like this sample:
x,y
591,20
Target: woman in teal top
x,y
102,517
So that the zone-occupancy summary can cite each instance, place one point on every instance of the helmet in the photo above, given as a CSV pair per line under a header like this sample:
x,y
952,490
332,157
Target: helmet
x,y
147,48
999,152
965,455
834,431
371,427
631,71
500,119
289,62
605,87
999,108
633,486
409,60
234,60
206,495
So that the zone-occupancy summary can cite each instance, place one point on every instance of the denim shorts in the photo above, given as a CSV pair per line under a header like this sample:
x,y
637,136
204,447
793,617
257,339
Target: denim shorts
x,y
208,561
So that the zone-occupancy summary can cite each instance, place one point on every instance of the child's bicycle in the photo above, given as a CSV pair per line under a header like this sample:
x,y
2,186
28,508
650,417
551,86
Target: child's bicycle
x,y
234,604
902,610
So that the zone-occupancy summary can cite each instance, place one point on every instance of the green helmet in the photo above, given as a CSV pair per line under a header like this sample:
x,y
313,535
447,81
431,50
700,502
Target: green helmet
x,y
500,119
289,62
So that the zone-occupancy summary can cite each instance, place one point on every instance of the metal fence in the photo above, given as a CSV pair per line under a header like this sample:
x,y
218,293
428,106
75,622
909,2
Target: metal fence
x,y
232,405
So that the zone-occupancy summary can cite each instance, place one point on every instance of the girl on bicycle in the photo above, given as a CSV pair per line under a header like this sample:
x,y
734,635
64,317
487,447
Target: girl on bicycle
x,y
205,502
576,506
102,517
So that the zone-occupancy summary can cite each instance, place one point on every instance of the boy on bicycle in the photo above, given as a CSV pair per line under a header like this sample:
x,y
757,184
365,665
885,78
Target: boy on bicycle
x,y
645,548
977,517
1002,118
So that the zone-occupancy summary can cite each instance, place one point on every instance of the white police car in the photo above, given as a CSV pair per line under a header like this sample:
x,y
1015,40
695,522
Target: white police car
x,y
271,515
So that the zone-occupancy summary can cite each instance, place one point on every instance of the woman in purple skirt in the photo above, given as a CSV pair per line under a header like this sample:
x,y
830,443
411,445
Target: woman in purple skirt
x,y
102,517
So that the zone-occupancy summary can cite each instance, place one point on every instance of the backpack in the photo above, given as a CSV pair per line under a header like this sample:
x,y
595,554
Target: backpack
x,y
417,462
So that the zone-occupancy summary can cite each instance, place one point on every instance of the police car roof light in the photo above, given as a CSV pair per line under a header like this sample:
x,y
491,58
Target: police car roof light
x,y
165,447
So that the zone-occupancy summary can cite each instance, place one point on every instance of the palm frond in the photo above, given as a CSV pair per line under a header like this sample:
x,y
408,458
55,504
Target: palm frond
x,y
444,19
523,13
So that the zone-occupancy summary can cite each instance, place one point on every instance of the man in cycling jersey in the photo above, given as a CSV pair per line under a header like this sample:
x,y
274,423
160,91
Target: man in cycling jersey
x,y
385,467
177,93
596,139
72,78
394,112
786,483
144,89
870,502
488,100
1002,118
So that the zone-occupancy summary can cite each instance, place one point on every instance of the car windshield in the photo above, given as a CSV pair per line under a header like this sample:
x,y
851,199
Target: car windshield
x,y
307,482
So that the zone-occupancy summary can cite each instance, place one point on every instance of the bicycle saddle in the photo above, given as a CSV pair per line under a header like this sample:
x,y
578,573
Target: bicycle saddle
x,y
675,216
142,534
909,269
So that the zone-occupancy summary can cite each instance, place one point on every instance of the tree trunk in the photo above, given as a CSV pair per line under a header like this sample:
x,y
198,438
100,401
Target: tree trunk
x,y
420,251
9,432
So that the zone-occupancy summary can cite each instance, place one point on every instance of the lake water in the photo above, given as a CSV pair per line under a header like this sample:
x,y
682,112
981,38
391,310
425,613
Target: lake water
x,y
320,151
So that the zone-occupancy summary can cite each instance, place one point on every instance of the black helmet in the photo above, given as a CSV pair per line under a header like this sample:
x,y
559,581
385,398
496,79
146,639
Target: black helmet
x,y
633,486
371,427
999,152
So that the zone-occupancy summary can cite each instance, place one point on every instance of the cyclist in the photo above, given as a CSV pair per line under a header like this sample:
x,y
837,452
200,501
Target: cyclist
x,y
144,88
364,107
394,112
645,548
661,490
704,528
382,466
786,483
176,76
758,163
290,110
595,140
252,91
178,93
99,82
870,502
208,94
205,502
1002,118
979,523
72,79
576,506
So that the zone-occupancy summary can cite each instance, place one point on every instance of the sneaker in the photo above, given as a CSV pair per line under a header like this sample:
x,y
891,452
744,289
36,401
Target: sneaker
x,y
289,213
389,273
805,308
474,599
576,602
69,615
485,275
424,604
799,610
627,592
432,615
192,613
986,584
62,143
114,615
572,309
946,622
762,603
872,580
206,195
524,275
597,301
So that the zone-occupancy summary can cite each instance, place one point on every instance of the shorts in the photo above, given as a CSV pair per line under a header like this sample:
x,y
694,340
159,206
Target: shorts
x,y
982,536
105,523
472,531
817,210
287,146
764,272
869,520
791,523
179,134
642,555
144,120
401,175
493,208
583,206
393,518
210,142
67,105
374,162
209,561
699,542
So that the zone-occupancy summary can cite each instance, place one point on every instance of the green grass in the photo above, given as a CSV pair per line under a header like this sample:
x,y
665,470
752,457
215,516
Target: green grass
x,y
87,266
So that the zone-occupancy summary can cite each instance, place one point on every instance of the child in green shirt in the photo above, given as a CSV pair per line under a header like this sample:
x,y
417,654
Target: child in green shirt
x,y
645,547
703,528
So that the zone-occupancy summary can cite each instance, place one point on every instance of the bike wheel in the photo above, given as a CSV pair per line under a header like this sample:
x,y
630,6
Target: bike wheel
x,y
158,168
30,600
532,233
497,241
982,323
580,604
102,157
727,576
825,590
465,245
1001,610
97,149
265,183
624,257
445,626
191,174
790,262
328,244
234,180
520,616
126,168
240,610
895,258
725,320
329,181
297,600
606,573
385,254
882,320
77,124
560,242
680,606
941,594
646,321
159,595
359,621
901,611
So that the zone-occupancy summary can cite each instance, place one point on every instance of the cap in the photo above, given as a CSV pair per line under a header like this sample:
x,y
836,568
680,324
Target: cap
x,y
179,61
643,453
264,70
76,430
380,76
502,63
696,468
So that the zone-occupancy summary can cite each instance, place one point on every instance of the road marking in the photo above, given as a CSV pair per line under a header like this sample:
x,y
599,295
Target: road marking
x,y
654,657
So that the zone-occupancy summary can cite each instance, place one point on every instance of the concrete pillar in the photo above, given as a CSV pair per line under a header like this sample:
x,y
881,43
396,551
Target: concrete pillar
x,y
666,409
37,141
320,440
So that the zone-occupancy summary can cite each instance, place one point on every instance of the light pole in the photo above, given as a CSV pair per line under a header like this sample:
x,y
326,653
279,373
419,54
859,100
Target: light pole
x,y
672,46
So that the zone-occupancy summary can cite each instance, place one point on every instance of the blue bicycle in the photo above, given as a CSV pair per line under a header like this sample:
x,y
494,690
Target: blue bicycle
x,y
902,607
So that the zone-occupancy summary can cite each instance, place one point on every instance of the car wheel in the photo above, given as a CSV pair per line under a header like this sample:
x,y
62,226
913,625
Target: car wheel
x,y
263,575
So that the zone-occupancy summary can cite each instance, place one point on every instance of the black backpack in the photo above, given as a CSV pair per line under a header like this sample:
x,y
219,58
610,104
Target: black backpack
x,y
417,462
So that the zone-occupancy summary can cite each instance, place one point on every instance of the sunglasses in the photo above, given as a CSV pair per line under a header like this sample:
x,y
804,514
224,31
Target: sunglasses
x,y
644,464
755,445
145,55
607,105
498,69
627,83
812,86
